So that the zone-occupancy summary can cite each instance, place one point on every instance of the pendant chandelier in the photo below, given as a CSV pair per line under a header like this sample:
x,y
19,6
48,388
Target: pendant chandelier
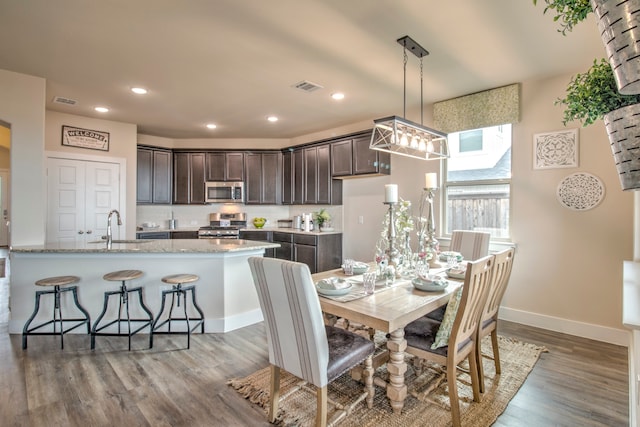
x,y
397,135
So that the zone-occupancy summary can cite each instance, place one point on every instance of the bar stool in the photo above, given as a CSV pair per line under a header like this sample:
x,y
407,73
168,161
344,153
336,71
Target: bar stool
x,y
177,290
123,297
57,283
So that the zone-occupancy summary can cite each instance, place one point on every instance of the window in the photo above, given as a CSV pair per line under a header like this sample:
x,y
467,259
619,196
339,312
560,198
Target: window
x,y
478,181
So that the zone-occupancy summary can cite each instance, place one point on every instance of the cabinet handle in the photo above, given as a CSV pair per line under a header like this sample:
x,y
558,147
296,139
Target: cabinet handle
x,y
80,232
89,231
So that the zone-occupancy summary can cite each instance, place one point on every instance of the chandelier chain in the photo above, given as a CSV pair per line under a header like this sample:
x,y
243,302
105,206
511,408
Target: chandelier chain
x,y
404,84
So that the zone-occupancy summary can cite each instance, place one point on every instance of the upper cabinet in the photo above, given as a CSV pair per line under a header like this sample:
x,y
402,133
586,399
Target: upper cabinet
x,y
307,177
263,183
224,166
153,176
188,178
352,157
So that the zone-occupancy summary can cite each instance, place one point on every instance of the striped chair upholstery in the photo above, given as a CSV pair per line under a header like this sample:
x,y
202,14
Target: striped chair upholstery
x,y
299,342
472,245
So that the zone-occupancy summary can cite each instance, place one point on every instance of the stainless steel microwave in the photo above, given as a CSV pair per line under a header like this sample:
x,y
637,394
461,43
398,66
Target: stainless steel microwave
x,y
224,192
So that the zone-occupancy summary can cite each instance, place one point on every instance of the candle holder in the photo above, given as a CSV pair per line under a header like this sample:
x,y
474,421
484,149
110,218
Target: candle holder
x,y
392,251
428,242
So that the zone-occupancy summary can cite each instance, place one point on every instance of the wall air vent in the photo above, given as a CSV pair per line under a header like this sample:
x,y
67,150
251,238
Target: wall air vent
x,y
307,86
64,101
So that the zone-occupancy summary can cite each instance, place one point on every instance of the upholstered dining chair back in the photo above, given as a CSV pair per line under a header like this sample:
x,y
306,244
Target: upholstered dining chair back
x,y
489,316
293,318
299,341
471,244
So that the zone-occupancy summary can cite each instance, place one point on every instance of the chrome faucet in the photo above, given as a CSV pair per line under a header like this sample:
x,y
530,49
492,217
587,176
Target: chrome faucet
x,y
109,233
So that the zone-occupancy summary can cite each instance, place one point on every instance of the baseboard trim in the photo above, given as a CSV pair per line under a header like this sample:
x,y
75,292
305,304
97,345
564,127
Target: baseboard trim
x,y
565,326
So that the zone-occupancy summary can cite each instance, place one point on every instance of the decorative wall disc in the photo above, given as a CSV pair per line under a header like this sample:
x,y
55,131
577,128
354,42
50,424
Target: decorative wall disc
x,y
580,191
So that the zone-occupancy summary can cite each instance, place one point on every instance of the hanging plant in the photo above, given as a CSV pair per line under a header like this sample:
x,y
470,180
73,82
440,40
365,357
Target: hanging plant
x,y
567,12
593,94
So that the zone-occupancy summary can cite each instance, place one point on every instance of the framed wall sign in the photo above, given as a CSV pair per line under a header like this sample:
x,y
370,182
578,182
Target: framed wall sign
x,y
85,138
555,149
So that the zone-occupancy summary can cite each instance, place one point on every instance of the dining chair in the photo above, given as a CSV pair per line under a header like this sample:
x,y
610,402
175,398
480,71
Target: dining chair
x,y
463,333
471,244
488,324
299,341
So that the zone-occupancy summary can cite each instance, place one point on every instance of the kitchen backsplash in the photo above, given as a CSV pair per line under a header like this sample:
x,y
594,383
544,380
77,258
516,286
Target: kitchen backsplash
x,y
192,216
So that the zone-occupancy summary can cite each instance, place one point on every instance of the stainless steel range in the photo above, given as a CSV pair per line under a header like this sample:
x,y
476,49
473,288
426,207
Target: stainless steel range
x,y
223,226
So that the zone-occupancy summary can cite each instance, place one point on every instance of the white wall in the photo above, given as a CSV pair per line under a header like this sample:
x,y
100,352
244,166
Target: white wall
x,y
122,145
22,107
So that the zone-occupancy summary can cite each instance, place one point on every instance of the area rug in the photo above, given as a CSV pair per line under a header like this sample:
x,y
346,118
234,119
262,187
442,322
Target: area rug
x,y
427,402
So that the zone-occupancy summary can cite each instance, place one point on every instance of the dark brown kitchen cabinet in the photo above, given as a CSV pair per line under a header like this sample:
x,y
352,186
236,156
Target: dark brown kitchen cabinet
x,y
298,177
224,166
288,183
188,178
184,234
319,186
353,157
263,178
260,236
153,176
285,251
320,252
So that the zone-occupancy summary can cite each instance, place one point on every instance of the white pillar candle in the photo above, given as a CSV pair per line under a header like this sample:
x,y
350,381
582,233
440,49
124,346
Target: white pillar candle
x,y
430,180
391,193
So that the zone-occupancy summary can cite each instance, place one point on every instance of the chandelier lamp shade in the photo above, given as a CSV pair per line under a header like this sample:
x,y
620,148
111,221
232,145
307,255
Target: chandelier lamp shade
x,y
397,135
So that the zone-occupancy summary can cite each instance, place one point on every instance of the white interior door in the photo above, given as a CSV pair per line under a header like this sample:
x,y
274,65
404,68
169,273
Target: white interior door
x,y
4,207
80,195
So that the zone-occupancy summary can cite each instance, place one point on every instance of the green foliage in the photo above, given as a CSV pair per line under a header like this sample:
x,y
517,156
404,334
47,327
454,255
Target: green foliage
x,y
593,94
322,216
568,12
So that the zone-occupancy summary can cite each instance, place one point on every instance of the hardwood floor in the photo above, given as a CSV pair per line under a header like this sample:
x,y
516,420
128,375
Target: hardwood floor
x,y
577,383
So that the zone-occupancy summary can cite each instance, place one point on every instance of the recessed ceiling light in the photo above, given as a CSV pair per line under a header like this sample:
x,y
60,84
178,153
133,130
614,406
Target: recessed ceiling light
x,y
272,119
102,109
211,126
337,95
139,90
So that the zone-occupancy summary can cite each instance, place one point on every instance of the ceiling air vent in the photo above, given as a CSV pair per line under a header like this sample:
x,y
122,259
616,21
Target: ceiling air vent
x,y
307,86
64,101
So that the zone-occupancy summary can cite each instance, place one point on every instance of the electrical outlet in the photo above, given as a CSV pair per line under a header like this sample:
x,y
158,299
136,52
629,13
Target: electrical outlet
x,y
361,219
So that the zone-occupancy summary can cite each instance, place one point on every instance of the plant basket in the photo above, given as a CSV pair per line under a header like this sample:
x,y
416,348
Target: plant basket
x,y
618,26
623,128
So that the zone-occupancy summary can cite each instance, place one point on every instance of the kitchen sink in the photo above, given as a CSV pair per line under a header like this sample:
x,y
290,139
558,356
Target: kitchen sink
x,y
124,241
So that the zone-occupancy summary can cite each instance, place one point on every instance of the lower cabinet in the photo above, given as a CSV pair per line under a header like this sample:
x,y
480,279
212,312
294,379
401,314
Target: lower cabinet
x,y
319,251
153,235
184,234
285,251
260,236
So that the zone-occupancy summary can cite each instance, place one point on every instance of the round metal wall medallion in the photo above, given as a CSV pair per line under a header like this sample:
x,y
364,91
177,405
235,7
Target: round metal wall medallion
x,y
580,191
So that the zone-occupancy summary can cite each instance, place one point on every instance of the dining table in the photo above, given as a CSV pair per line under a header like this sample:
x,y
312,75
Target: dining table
x,y
389,309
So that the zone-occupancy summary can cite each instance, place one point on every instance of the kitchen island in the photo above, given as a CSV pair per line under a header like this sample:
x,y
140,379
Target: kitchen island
x,y
225,291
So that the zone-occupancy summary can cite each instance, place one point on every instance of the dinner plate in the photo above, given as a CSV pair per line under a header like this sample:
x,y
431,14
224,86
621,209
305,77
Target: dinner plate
x,y
334,292
358,267
456,274
429,286
445,254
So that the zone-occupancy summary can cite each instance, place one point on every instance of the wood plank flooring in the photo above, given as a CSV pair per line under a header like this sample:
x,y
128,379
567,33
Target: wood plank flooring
x,y
577,383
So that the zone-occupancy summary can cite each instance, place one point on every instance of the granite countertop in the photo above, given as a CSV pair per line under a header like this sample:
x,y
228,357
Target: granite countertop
x,y
149,246
164,229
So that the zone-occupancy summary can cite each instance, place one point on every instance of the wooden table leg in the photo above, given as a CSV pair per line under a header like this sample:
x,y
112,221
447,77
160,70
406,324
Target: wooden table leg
x,y
396,366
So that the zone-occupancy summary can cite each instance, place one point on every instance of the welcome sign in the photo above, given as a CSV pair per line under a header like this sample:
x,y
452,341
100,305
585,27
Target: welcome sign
x,y
85,138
